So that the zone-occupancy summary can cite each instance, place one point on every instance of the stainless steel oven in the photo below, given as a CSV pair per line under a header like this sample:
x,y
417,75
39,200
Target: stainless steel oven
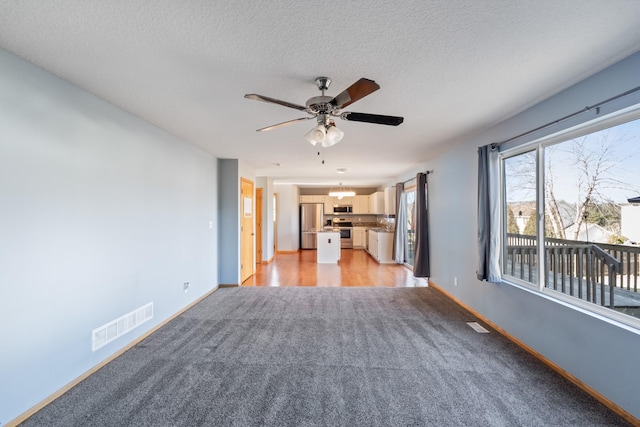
x,y
345,227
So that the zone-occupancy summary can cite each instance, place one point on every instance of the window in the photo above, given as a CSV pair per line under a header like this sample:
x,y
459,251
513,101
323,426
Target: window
x,y
521,226
571,216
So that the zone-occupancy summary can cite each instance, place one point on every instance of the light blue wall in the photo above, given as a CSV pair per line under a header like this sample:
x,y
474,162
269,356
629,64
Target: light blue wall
x,y
100,213
288,213
598,352
230,172
229,203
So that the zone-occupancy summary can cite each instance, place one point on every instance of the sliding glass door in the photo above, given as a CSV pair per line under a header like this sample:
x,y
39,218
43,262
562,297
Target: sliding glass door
x,y
411,214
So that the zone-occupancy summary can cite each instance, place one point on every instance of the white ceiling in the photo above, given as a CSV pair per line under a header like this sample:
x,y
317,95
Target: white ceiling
x,y
450,67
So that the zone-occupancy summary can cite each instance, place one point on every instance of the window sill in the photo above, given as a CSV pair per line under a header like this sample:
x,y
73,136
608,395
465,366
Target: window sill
x,y
612,317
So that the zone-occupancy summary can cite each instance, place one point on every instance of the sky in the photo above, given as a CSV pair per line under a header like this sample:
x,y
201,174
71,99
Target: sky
x,y
613,155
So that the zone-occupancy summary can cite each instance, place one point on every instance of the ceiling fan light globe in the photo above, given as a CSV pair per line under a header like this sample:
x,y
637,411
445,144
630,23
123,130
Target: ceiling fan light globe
x,y
334,135
315,135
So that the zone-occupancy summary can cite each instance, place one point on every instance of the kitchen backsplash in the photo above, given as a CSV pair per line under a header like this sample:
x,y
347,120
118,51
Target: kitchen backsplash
x,y
371,221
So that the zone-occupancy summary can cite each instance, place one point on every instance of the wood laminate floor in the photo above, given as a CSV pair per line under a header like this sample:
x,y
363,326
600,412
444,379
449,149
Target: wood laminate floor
x,y
356,268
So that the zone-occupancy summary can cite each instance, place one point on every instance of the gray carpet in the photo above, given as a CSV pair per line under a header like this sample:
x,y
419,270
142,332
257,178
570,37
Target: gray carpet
x,y
325,357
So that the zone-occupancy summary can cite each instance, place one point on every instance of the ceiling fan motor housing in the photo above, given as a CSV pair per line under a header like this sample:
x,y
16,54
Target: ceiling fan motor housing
x,y
320,105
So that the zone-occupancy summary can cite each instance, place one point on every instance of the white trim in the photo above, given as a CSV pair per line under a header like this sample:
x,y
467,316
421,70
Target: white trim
x,y
540,212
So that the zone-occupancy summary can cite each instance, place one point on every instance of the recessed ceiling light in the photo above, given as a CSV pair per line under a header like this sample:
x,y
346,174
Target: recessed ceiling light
x,y
341,170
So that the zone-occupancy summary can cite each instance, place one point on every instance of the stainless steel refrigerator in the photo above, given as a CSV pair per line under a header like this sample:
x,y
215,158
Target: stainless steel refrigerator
x,y
311,221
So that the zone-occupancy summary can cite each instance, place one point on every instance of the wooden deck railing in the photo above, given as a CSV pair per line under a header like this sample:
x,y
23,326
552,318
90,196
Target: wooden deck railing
x,y
596,273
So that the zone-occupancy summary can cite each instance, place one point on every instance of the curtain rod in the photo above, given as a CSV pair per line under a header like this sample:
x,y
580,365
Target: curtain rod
x,y
562,119
425,172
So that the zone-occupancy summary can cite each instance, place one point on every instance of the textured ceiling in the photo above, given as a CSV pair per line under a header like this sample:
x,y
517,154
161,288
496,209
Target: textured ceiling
x,y
450,67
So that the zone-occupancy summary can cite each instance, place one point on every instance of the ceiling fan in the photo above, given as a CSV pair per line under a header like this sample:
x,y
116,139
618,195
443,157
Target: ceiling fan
x,y
324,108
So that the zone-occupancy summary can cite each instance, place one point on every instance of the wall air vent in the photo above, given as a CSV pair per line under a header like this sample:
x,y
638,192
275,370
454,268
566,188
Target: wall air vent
x,y
477,327
106,333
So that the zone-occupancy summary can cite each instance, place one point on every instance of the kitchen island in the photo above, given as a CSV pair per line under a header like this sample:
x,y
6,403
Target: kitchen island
x,y
328,247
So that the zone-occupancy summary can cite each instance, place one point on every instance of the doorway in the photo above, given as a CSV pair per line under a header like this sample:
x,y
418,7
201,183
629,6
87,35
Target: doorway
x,y
259,215
410,247
247,213
275,224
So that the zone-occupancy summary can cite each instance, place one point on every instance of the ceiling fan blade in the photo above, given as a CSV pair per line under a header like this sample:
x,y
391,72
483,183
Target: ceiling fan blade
x,y
372,118
287,123
356,91
257,97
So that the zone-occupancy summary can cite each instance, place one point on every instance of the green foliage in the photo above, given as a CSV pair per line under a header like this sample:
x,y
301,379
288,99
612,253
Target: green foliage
x,y
530,228
548,229
617,239
606,215
512,226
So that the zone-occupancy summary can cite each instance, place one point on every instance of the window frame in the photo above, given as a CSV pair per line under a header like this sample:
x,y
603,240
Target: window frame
x,y
538,144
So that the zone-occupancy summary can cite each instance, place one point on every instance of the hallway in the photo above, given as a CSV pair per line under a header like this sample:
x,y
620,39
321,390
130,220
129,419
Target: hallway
x,y
356,268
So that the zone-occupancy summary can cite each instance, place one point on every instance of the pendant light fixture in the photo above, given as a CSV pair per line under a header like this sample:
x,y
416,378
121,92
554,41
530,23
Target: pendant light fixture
x,y
341,192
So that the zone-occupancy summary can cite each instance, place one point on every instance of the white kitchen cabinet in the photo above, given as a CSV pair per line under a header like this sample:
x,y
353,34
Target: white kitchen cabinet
x,y
376,203
361,204
385,248
390,201
363,235
359,236
328,204
311,199
381,246
373,244
349,201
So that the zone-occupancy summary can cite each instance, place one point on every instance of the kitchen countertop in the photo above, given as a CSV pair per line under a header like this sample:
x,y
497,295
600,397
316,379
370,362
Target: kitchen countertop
x,y
328,228
380,230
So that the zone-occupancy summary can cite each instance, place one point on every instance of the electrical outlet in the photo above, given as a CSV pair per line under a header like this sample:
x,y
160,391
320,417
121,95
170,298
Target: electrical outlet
x,y
455,281
185,287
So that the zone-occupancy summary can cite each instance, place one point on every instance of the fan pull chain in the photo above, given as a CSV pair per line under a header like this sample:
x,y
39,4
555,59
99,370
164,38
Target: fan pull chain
x,y
321,155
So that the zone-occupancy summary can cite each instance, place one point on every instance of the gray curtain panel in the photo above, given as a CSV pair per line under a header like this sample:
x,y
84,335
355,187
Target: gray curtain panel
x,y
422,264
489,241
400,233
484,214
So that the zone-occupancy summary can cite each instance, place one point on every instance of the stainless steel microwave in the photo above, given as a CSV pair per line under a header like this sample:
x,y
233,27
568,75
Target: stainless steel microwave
x,y
343,209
